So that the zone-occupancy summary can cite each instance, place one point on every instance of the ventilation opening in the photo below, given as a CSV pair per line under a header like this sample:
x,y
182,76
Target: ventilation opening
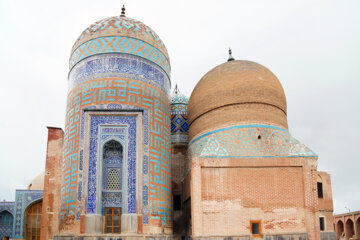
x,y
113,180
177,202
320,189
322,223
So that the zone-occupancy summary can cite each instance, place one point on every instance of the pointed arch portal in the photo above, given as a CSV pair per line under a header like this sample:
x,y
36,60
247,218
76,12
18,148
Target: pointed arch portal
x,y
33,221
112,157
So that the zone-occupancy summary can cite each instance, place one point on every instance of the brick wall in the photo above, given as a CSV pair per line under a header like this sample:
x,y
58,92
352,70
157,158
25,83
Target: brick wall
x,y
326,203
227,193
234,196
52,182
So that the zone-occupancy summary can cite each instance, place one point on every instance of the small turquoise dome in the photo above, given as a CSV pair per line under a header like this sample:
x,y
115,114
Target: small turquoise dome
x,y
178,101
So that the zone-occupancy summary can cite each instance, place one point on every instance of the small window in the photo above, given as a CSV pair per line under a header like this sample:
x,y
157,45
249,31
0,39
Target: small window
x,y
177,202
320,189
255,228
322,223
113,180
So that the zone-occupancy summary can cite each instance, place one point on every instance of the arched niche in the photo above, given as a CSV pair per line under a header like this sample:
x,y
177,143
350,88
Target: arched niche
x,y
357,227
6,218
6,223
339,229
112,184
349,228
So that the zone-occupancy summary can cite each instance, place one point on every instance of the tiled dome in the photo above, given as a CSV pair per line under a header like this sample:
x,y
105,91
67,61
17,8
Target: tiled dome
x,y
178,98
120,34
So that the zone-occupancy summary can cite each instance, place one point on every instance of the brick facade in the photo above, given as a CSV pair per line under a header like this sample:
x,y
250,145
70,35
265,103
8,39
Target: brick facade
x,y
52,182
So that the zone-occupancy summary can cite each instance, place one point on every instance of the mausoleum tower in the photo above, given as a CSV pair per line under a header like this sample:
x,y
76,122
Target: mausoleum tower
x,y
179,125
116,175
248,174
179,146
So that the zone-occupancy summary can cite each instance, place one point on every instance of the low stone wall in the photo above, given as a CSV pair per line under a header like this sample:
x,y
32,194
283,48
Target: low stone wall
x,y
219,238
115,237
301,236
328,236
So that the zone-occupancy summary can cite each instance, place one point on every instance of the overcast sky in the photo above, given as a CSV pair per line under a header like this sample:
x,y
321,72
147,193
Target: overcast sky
x,y
313,47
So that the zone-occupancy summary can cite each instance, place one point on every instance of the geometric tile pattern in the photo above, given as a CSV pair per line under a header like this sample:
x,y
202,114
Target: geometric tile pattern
x,y
178,108
122,94
179,125
23,198
248,141
126,135
6,230
121,26
120,44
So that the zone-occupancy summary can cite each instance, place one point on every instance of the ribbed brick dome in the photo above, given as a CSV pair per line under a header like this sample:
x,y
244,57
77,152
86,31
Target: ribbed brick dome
x,y
236,92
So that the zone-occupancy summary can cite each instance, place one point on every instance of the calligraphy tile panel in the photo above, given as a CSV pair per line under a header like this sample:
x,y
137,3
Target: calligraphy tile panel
x,y
121,93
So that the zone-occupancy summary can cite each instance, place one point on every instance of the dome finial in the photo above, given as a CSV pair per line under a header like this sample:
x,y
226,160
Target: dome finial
x,y
230,56
176,89
123,11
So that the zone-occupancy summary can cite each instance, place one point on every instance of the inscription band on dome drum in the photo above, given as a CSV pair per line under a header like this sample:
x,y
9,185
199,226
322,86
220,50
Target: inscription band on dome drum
x,y
116,65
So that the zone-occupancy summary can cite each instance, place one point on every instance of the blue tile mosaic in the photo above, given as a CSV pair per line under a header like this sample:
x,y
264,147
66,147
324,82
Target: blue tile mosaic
x,y
7,211
95,122
23,198
116,65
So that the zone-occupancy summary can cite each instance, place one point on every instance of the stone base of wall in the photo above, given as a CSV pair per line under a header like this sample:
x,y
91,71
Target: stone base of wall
x,y
219,238
116,237
296,236
328,236
302,236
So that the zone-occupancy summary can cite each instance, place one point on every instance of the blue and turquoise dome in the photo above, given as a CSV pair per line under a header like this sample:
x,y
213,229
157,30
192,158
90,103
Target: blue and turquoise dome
x,y
120,34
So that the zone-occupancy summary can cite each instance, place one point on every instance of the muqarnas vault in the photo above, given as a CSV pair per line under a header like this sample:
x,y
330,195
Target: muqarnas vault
x,y
136,162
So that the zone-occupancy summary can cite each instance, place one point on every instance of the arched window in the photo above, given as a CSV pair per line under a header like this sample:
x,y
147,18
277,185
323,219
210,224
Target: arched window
x,y
112,185
112,169
113,152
